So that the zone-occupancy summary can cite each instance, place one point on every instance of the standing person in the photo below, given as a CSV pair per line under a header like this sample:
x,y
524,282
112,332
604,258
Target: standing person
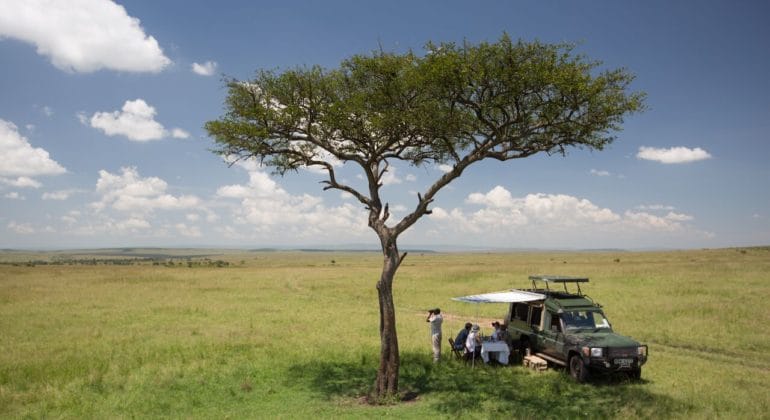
x,y
462,336
435,319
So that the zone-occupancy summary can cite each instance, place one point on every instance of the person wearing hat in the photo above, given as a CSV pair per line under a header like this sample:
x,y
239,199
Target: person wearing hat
x,y
473,343
435,319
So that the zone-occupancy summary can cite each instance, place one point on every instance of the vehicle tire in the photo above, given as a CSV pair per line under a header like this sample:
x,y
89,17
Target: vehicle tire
x,y
577,369
636,374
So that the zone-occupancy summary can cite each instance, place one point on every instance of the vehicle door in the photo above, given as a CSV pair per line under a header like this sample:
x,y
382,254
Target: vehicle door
x,y
553,336
536,325
517,320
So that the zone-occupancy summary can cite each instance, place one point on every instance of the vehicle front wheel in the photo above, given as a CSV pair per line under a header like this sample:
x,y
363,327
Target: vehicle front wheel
x,y
577,369
635,374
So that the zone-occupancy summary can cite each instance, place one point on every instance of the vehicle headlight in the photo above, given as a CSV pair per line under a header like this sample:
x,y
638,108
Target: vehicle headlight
x,y
642,351
597,352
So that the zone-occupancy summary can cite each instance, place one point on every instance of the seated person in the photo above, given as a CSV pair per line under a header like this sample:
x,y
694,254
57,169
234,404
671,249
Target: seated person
x,y
504,336
495,335
473,343
462,336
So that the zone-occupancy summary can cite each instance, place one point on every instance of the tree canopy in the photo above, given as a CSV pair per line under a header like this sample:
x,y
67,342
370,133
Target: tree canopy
x,y
455,105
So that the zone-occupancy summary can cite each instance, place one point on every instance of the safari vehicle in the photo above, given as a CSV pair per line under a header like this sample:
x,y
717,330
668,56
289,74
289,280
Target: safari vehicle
x,y
571,330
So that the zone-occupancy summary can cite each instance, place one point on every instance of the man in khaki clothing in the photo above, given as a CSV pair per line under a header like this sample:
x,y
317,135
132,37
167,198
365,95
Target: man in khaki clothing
x,y
435,319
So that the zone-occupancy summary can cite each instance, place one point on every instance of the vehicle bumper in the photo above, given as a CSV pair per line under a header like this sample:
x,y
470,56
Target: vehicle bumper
x,y
615,365
618,360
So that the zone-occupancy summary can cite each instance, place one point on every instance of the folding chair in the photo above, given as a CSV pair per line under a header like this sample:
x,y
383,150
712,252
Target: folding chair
x,y
458,354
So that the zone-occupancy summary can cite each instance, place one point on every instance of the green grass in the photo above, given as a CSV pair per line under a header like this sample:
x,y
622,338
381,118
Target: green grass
x,y
295,335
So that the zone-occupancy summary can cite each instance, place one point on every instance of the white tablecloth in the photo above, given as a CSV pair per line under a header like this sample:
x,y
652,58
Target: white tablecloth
x,y
498,347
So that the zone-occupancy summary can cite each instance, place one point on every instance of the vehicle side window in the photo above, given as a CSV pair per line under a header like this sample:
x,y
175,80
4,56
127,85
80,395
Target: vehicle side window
x,y
521,311
534,319
555,323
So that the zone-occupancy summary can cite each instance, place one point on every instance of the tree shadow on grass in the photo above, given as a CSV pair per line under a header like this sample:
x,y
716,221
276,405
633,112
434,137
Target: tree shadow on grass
x,y
457,389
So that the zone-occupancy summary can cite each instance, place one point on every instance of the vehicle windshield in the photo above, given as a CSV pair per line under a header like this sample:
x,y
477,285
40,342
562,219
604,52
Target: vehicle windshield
x,y
585,320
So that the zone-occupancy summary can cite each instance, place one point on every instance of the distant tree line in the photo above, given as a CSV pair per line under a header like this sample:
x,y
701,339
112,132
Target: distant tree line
x,y
165,262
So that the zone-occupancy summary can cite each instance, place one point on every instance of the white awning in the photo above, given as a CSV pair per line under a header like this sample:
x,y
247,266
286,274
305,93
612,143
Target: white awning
x,y
509,296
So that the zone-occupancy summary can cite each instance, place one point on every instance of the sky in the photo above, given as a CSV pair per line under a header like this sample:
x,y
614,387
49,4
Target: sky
x,y
102,108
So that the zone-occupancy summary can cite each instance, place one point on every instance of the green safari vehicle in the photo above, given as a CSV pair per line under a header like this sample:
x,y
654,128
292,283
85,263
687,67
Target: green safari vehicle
x,y
571,330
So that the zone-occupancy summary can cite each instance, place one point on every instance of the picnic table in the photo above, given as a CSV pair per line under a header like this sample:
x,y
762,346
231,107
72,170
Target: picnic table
x,y
498,348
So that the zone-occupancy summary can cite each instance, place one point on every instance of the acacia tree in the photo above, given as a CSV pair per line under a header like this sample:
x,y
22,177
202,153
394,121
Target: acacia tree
x,y
456,105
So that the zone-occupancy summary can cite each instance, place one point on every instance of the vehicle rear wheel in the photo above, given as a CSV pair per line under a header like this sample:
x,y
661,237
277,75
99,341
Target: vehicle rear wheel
x,y
635,374
577,369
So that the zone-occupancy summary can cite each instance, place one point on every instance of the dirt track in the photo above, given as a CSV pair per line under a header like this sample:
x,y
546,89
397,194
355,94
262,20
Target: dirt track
x,y
475,320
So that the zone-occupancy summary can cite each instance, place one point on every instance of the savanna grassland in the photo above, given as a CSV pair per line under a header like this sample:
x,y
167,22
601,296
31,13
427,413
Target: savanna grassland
x,y
154,334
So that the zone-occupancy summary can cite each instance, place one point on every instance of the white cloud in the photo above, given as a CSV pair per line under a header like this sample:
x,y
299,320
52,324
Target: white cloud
x,y
129,192
411,177
56,195
211,216
83,35
272,213
599,173
678,217
673,154
189,231
647,221
233,191
496,197
23,228
178,133
503,216
136,120
71,217
47,111
21,182
444,168
390,177
82,117
206,69
132,224
20,159
13,195
655,207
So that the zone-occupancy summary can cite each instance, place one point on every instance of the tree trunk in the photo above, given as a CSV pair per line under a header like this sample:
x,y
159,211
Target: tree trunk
x,y
386,385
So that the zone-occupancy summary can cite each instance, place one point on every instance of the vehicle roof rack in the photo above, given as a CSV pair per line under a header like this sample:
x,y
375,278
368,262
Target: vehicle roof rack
x,y
558,279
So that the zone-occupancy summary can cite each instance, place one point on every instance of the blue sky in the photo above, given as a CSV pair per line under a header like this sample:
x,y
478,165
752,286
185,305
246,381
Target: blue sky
x,y
102,107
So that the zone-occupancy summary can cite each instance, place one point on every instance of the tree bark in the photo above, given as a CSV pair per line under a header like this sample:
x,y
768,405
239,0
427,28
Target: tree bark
x,y
386,385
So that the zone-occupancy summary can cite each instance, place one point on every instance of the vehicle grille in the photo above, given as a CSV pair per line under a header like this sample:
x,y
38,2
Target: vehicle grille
x,y
622,352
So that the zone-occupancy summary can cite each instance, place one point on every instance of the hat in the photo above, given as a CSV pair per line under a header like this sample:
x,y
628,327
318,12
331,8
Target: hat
x,y
437,310
475,327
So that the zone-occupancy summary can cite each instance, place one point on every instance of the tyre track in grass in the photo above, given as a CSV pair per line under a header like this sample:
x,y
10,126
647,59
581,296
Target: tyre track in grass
x,y
752,360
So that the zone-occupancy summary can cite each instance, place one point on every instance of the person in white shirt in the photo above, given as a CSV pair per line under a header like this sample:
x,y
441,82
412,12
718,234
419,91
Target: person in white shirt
x,y
473,343
435,319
